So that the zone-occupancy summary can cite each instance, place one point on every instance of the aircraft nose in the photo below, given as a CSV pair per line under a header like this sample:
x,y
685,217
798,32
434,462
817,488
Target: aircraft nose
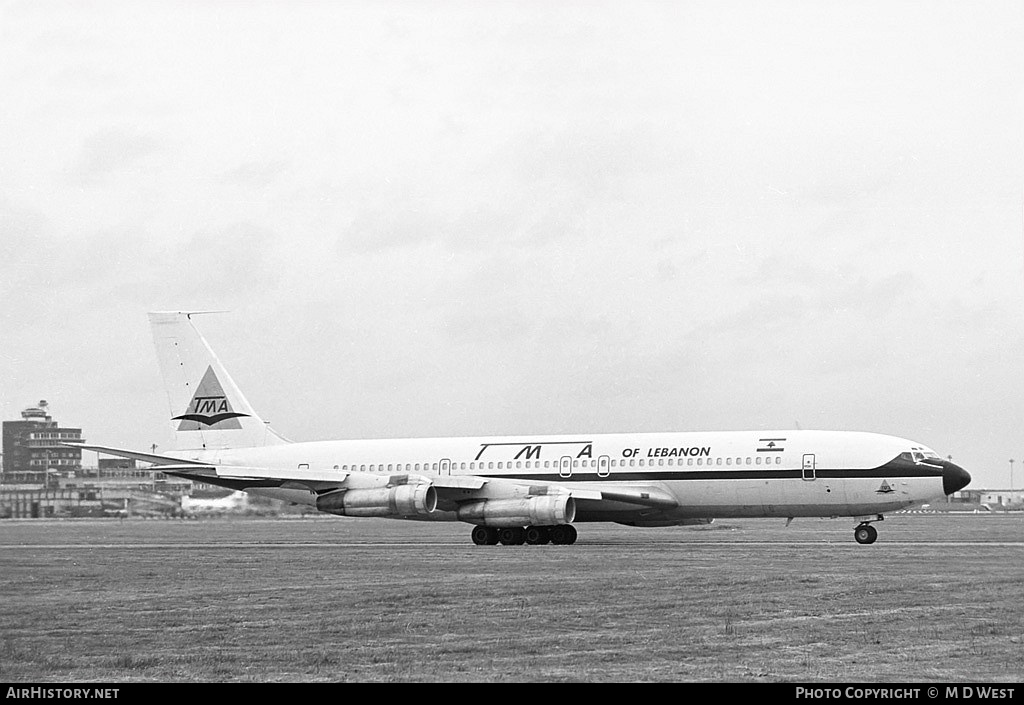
x,y
954,477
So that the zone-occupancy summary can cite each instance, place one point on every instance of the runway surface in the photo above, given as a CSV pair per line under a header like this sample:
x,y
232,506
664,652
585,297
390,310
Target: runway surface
x,y
951,529
156,546
332,599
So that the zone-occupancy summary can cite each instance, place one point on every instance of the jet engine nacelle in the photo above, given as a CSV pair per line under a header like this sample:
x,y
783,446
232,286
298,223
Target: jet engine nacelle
x,y
545,510
403,500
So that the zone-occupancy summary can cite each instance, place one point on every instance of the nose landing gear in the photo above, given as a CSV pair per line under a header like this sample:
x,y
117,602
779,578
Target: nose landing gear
x,y
865,533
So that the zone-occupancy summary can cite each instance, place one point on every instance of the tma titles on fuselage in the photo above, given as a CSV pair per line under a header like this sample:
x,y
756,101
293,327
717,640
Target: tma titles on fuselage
x,y
531,451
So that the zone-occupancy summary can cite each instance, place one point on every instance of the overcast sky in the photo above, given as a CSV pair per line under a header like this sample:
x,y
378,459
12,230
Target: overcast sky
x,y
466,218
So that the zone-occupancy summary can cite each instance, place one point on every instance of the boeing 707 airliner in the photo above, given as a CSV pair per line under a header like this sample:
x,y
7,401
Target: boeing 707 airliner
x,y
533,489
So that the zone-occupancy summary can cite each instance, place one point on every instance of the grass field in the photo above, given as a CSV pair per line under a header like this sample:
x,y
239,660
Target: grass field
x,y
938,598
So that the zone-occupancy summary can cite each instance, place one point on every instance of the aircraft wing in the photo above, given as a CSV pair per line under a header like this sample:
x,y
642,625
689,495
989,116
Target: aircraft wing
x,y
451,489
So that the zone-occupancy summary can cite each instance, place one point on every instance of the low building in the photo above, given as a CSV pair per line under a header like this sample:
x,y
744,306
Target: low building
x,y
153,495
995,498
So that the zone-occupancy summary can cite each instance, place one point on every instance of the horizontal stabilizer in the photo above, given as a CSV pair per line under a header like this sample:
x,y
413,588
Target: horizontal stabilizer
x,y
135,455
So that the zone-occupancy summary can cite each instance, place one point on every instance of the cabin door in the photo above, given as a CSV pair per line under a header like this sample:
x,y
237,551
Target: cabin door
x,y
565,466
808,466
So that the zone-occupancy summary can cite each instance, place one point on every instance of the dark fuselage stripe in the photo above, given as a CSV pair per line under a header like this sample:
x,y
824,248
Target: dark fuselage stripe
x,y
653,475
891,470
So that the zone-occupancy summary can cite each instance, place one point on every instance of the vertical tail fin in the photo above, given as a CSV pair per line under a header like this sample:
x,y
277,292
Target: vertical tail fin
x,y
208,410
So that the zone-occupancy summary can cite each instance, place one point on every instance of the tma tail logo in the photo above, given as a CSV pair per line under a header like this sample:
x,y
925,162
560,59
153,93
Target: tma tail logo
x,y
209,407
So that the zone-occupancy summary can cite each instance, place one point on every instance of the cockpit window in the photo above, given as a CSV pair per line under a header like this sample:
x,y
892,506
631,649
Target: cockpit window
x,y
917,455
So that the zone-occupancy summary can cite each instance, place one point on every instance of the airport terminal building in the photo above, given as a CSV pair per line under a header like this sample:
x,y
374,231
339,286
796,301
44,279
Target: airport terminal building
x,y
42,477
33,447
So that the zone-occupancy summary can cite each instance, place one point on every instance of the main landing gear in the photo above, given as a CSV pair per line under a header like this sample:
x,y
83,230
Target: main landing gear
x,y
560,534
865,533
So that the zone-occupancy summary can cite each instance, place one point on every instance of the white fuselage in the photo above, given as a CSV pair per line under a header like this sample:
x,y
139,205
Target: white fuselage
x,y
709,474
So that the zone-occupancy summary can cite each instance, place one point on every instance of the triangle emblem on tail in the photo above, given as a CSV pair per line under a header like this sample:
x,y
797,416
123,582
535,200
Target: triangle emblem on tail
x,y
210,407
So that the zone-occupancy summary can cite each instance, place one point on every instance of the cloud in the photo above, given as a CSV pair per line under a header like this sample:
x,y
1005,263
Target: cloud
x,y
451,218
258,174
112,151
